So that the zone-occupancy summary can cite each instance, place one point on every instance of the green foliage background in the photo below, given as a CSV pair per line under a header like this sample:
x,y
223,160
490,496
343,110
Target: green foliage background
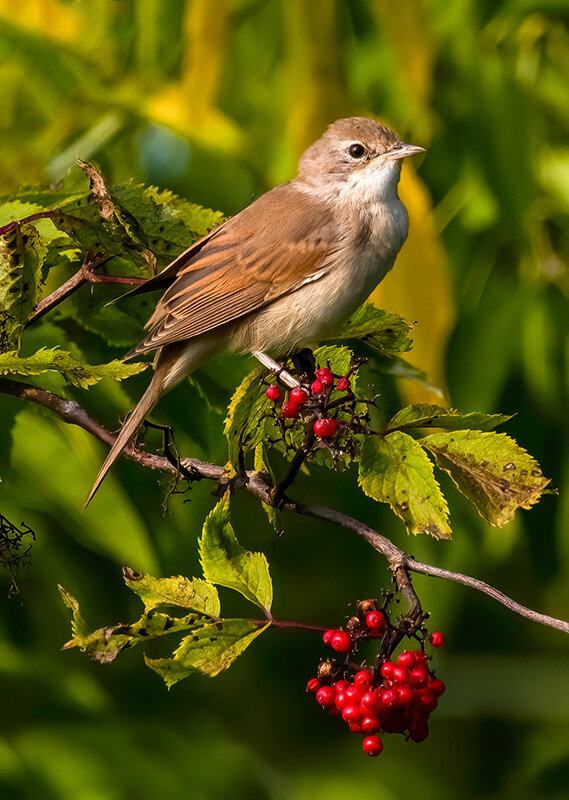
x,y
217,107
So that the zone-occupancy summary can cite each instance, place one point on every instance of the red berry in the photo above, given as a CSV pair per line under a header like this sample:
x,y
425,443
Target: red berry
x,y
327,635
437,639
355,693
289,410
363,677
343,385
387,698
341,685
341,642
355,727
299,396
404,695
418,677
351,713
317,387
372,745
370,703
333,711
394,722
312,685
428,700
399,675
324,375
341,699
406,659
370,725
387,669
375,621
325,696
436,686
418,731
325,427
273,392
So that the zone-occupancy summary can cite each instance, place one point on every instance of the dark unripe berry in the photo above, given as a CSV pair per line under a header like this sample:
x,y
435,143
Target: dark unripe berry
x,y
375,621
299,396
325,427
313,685
437,639
273,392
324,375
326,696
341,642
343,385
317,387
289,410
372,745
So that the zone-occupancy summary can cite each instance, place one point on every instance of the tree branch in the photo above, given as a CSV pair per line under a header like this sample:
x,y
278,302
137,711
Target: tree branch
x,y
399,563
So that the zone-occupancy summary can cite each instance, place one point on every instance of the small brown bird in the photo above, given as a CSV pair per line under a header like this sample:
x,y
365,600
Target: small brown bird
x,y
286,269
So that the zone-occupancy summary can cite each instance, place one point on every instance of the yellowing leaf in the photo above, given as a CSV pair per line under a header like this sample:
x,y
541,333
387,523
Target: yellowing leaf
x,y
191,593
494,472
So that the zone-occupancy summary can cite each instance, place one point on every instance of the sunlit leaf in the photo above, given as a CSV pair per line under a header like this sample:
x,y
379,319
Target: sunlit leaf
x,y
394,469
424,415
494,472
191,593
228,564
209,650
21,257
244,425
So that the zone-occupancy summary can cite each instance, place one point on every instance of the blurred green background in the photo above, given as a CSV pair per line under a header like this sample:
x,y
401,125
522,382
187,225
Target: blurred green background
x,y
216,99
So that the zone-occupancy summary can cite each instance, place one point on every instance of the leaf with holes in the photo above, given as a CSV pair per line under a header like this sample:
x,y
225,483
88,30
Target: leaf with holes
x,y
188,593
491,469
423,415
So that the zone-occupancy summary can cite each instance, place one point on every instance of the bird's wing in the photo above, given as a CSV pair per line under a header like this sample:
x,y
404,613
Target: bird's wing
x,y
268,250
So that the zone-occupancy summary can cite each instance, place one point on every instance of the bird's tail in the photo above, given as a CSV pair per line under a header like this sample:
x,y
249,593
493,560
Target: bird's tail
x,y
131,425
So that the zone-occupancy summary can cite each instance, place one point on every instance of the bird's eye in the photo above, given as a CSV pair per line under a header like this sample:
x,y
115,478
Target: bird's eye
x,y
356,150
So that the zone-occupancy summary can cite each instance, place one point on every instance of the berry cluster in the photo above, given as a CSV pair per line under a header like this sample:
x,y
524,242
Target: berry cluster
x,y
397,696
314,397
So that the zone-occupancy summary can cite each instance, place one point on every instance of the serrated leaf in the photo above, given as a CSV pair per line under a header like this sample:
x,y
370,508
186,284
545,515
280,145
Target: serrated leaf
x,y
244,424
262,464
209,650
385,332
424,415
22,252
228,564
191,593
105,644
339,357
490,469
394,469
74,371
79,627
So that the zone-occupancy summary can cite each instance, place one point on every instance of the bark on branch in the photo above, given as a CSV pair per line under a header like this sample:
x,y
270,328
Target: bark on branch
x,y
399,562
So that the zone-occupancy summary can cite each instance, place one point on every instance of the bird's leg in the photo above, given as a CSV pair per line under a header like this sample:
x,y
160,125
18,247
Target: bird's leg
x,y
276,368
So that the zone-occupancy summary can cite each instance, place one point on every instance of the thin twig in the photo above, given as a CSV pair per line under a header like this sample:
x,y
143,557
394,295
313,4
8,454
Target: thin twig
x,y
73,413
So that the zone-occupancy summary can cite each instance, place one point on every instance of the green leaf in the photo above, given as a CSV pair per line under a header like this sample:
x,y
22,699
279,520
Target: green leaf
x,y
491,469
394,469
226,563
105,644
74,371
262,464
244,424
339,357
385,332
210,649
423,415
22,252
191,593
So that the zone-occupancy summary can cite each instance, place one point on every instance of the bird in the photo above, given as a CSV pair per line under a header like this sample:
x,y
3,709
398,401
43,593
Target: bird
x,y
286,269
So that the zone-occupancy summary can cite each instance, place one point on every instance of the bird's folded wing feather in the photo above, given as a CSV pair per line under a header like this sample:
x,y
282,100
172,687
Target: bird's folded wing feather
x,y
254,258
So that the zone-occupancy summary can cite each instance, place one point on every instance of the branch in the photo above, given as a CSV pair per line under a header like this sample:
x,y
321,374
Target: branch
x,y
399,563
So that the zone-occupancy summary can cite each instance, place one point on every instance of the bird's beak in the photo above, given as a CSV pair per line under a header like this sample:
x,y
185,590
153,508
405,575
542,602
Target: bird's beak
x,y
404,151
